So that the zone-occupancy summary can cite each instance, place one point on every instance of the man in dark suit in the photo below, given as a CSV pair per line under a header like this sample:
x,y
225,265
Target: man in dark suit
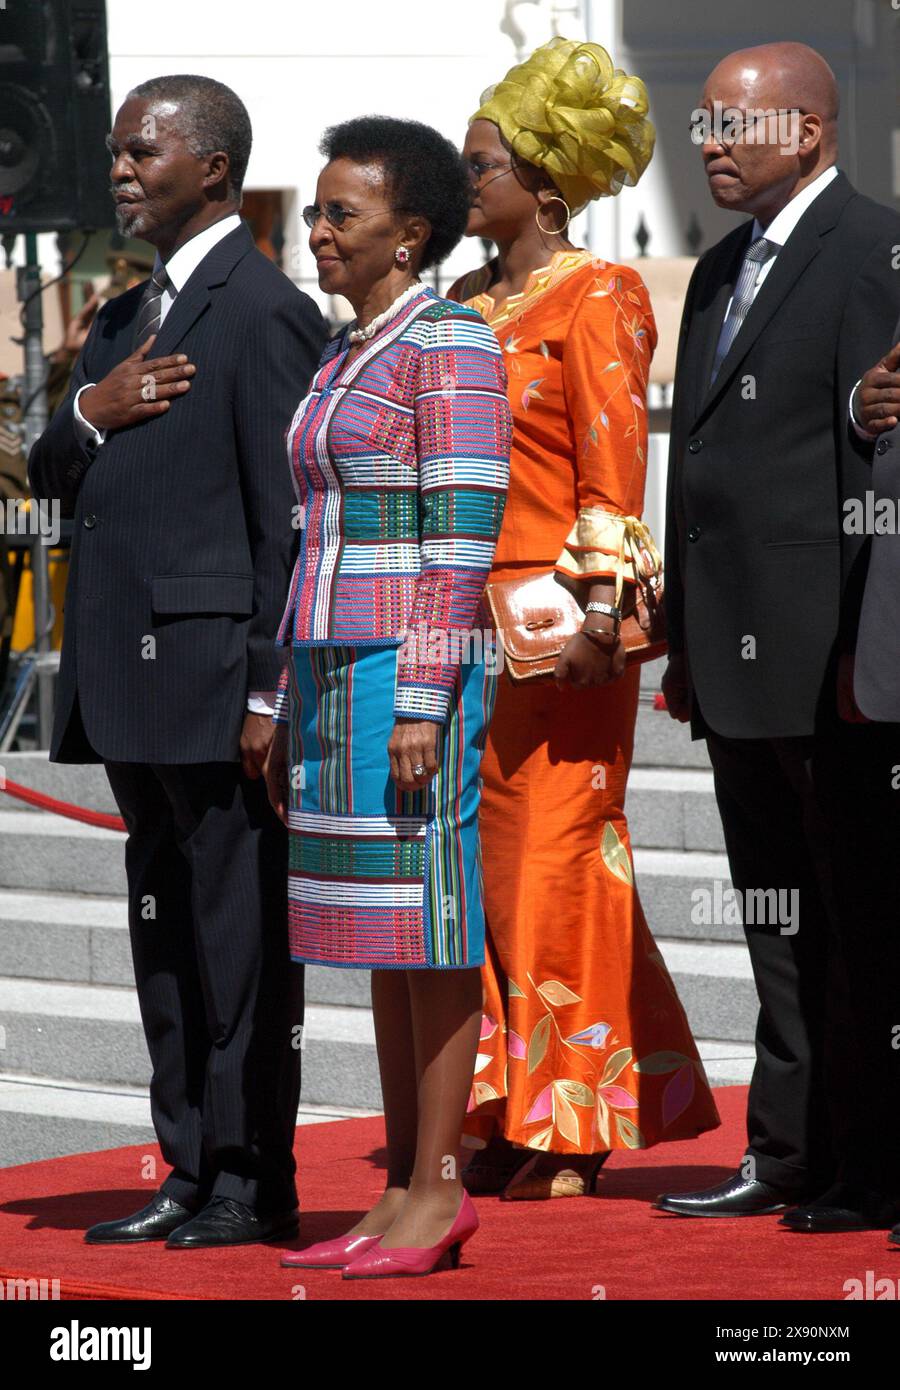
x,y
782,316
174,469
868,866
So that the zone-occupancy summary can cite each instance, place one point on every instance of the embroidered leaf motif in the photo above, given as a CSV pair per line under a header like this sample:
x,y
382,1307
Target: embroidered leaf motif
x,y
599,294
678,1094
611,366
637,400
658,1063
604,420
556,994
483,1092
545,351
512,343
593,435
542,1140
514,991
564,1118
531,392
603,1121
482,1060
541,1108
488,1027
619,1097
615,1064
629,1133
635,298
615,855
515,1046
576,1092
537,1045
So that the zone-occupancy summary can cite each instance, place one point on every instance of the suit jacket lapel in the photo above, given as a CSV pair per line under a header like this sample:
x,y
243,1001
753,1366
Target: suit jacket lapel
x,y
194,296
707,318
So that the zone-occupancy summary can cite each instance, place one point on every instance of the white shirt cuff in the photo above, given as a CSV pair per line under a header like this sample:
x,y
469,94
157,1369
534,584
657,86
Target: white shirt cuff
x,y
85,431
261,702
863,434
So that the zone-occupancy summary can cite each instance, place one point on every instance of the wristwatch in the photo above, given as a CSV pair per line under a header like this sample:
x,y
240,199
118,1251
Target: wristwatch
x,y
608,608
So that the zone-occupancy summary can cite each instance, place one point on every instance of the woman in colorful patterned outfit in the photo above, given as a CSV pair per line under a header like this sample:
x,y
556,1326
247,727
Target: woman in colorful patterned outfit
x,y
585,1046
400,455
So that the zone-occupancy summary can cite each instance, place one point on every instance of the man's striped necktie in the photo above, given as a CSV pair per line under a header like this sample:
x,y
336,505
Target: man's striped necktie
x,y
150,312
741,300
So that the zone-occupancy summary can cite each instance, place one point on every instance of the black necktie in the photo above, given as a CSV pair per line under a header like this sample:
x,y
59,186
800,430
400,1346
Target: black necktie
x,y
150,312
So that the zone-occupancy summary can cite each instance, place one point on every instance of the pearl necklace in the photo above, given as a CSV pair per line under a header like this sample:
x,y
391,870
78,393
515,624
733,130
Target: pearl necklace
x,y
362,335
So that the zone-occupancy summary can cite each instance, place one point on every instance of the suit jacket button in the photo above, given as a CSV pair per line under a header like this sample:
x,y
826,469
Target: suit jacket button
x,y
90,521
882,446
695,446
694,533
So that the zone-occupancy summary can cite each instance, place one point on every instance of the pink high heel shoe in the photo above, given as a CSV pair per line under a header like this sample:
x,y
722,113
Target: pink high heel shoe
x,y
377,1263
329,1254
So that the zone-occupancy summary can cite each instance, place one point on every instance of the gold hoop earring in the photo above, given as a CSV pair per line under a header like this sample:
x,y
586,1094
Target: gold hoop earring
x,y
555,231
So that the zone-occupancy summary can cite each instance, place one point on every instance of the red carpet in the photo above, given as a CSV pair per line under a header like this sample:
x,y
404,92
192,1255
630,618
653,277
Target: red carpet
x,y
548,1250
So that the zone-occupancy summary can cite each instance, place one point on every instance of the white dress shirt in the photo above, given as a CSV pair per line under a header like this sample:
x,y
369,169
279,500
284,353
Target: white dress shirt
x,y
179,268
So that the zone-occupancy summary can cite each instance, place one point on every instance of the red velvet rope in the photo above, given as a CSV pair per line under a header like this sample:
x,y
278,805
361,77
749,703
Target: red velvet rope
x,y
63,808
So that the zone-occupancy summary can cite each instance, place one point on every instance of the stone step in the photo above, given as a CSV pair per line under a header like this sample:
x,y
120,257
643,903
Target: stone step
x,y
660,741
48,1117
716,986
80,784
44,852
673,808
93,1033
675,889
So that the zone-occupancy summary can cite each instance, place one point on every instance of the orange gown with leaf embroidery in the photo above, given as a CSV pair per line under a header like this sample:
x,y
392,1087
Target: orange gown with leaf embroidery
x,y
585,1045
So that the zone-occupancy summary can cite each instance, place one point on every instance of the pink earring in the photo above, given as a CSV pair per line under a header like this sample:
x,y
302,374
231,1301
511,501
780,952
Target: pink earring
x,y
401,255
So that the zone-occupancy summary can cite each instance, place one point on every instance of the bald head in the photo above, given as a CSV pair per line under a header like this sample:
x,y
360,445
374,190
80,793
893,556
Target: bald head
x,y
783,75
767,163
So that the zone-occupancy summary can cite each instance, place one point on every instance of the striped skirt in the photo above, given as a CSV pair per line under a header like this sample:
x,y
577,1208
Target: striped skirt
x,y
378,878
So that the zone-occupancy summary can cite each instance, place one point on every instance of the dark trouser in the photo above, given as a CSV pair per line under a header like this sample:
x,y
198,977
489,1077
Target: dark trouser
x,y
777,836
207,883
858,777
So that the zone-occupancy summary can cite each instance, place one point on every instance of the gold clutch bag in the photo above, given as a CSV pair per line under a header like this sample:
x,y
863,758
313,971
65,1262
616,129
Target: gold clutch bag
x,y
535,616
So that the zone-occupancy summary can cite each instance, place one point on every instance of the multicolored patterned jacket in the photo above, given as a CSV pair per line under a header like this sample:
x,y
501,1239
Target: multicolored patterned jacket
x,y
401,465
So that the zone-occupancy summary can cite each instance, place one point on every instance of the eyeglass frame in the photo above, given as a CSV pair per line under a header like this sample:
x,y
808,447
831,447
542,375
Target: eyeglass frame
x,y
749,121
317,212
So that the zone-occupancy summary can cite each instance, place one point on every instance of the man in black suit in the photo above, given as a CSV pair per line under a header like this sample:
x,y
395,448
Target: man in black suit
x,y
782,317
173,466
868,866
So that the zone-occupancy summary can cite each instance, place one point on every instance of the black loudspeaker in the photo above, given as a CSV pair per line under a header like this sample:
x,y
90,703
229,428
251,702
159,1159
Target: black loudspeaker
x,y
54,116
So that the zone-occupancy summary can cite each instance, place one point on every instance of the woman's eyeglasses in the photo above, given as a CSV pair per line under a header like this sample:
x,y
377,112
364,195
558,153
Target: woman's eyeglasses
x,y
336,215
479,167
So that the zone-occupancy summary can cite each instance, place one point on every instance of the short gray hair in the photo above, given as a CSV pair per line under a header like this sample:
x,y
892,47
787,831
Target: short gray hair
x,y
211,117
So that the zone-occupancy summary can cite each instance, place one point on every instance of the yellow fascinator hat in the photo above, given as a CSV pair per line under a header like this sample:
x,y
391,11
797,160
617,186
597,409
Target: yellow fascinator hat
x,y
582,120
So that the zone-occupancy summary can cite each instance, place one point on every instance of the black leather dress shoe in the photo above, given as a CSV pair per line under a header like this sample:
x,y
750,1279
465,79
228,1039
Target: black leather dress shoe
x,y
843,1208
737,1196
156,1221
226,1222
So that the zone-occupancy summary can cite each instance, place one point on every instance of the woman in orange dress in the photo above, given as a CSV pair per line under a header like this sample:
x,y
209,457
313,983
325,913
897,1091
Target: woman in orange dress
x,y
585,1046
